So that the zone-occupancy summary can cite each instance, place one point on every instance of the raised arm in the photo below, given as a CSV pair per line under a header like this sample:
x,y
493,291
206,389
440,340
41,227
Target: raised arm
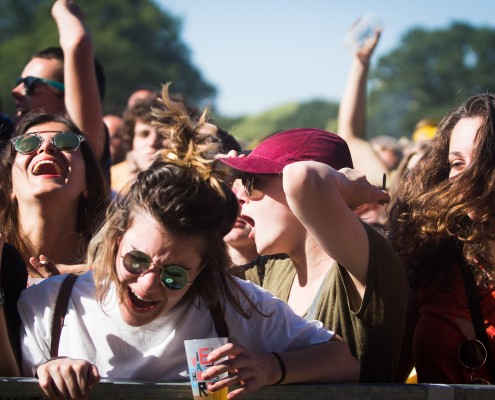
x,y
82,98
322,199
352,114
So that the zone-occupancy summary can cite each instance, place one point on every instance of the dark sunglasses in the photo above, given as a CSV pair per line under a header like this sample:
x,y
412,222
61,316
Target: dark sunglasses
x,y
30,142
472,355
249,183
30,83
173,277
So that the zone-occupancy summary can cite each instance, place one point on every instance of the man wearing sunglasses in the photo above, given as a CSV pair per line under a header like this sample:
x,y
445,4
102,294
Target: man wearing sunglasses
x,y
65,79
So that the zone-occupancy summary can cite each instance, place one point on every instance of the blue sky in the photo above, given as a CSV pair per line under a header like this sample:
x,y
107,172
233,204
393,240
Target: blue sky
x,y
264,53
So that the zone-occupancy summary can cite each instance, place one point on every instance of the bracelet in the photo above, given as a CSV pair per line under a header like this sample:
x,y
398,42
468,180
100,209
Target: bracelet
x,y
282,367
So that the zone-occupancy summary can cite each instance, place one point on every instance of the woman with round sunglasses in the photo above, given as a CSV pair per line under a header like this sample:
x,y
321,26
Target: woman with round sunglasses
x,y
58,194
159,270
442,225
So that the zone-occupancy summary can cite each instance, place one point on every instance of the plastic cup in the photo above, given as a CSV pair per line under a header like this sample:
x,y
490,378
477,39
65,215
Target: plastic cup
x,y
364,28
197,351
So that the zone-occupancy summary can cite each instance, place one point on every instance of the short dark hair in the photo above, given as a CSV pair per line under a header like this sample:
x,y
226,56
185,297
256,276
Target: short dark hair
x,y
228,141
56,53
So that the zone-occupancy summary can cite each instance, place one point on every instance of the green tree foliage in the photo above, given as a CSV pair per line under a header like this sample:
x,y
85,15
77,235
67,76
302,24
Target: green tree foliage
x,y
313,114
137,42
428,74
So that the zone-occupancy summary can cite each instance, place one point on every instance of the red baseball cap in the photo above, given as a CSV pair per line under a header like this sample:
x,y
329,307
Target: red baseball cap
x,y
287,147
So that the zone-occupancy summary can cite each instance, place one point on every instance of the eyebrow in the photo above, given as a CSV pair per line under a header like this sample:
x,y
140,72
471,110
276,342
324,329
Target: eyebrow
x,y
456,153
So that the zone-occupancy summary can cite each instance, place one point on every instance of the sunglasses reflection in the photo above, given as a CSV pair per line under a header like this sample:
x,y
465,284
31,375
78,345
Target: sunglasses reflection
x,y
173,277
64,141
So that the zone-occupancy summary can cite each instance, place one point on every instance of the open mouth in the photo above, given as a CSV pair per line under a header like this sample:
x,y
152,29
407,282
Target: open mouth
x,y
240,222
47,167
249,220
138,302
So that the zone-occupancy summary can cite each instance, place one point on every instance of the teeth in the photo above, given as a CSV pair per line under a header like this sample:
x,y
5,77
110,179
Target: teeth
x,y
55,165
140,298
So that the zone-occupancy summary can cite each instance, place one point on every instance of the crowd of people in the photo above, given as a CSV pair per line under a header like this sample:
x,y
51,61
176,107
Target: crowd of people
x,y
322,257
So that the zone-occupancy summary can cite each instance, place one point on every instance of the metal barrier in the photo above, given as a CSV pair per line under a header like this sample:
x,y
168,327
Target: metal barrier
x,y
28,388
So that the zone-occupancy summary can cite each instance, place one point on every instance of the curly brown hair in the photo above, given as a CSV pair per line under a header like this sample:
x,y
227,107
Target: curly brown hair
x,y
429,223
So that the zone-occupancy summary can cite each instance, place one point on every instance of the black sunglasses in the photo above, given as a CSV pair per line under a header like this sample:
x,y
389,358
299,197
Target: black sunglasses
x,y
30,83
30,142
173,277
250,182
472,355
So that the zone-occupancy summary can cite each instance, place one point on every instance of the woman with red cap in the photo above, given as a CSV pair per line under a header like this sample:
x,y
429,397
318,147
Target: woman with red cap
x,y
338,270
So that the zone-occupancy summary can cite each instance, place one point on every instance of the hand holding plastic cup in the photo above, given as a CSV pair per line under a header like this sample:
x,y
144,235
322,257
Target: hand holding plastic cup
x,y
197,351
364,28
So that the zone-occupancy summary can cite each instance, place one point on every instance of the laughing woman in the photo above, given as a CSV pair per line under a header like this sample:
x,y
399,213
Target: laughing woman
x,y
159,273
442,225
57,193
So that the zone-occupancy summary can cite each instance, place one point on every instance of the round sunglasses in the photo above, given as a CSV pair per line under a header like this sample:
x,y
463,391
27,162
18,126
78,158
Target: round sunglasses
x,y
173,277
30,142
30,83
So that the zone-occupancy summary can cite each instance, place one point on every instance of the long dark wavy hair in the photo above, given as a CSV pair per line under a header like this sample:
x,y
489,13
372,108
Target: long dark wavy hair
x,y
90,209
182,191
429,222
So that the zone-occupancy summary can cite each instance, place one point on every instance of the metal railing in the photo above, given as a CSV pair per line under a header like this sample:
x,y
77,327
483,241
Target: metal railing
x,y
28,388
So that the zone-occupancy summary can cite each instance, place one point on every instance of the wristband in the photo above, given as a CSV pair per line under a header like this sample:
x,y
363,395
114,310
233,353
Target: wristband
x,y
282,367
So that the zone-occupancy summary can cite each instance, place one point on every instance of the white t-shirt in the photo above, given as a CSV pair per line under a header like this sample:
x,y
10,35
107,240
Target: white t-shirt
x,y
155,351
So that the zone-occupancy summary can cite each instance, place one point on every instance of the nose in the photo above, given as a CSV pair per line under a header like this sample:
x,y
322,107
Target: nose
x,y
150,279
47,146
156,140
238,189
18,91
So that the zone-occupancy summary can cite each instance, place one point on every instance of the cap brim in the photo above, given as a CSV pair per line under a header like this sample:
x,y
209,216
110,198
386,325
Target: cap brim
x,y
253,165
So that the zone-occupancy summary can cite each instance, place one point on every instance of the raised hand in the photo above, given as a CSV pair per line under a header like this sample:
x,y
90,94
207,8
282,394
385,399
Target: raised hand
x,y
359,191
43,266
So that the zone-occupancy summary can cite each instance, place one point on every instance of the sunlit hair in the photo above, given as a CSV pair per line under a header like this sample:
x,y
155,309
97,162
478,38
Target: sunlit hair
x,y
181,192
90,209
429,223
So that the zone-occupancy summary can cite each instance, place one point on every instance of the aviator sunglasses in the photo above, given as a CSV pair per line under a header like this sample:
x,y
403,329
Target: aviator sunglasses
x,y
30,83
472,355
173,277
30,142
